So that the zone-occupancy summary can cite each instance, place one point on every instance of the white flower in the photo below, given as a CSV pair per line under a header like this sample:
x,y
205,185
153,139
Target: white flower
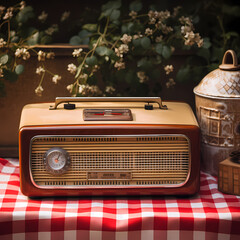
x,y
1,72
176,11
22,5
133,14
84,76
41,55
81,88
70,88
52,29
148,31
158,39
18,52
119,65
39,91
170,83
77,52
8,14
65,16
126,38
40,70
50,55
42,17
185,21
72,68
56,78
142,77
168,69
22,52
110,89
2,43
2,8
122,49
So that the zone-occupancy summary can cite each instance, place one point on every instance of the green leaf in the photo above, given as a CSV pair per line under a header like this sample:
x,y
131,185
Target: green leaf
x,y
34,39
46,40
91,61
231,10
103,51
111,5
228,35
10,76
146,42
136,42
90,27
115,14
25,14
4,59
19,69
84,36
206,43
166,52
183,74
204,53
124,29
159,48
144,64
135,6
131,27
75,40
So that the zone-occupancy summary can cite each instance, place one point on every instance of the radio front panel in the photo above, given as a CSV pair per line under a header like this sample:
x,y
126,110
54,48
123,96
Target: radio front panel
x,y
102,161
109,160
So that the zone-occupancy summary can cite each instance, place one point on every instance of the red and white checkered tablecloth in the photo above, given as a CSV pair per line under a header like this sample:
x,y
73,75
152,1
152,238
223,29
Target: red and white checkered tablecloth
x,y
207,216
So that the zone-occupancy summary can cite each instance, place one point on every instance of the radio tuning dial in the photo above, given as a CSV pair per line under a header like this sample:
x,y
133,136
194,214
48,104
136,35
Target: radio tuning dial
x,y
56,161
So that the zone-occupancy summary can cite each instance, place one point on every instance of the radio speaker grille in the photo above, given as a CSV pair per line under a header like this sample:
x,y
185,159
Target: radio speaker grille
x,y
120,160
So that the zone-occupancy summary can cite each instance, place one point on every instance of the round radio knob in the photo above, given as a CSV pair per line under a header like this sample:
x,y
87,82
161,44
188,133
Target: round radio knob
x,y
56,160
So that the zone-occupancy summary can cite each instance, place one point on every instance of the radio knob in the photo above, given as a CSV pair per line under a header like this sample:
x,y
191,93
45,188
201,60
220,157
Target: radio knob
x,y
56,160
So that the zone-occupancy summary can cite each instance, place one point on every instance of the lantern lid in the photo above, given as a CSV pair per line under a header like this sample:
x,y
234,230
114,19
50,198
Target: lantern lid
x,y
223,82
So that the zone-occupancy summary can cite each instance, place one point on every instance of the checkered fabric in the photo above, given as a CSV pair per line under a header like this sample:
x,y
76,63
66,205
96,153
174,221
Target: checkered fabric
x,y
207,216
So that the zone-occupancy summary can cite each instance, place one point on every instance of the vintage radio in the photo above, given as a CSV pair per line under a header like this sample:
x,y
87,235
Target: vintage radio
x,y
108,146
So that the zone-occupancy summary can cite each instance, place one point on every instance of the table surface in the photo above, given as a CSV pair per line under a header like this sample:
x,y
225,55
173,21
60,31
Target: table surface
x,y
208,215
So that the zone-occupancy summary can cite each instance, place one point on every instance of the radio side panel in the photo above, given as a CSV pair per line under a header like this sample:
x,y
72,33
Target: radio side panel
x,y
191,186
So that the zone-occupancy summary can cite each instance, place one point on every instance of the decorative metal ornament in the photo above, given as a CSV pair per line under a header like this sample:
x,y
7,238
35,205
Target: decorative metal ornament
x,y
218,111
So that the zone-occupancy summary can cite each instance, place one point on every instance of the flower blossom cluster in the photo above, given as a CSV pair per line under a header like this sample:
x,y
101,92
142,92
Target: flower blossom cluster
x,y
43,16
43,55
52,29
187,31
22,52
2,43
65,16
123,48
158,19
77,52
2,8
126,38
170,83
39,90
72,68
142,77
8,14
56,78
168,69
40,70
133,14
119,65
110,89
1,72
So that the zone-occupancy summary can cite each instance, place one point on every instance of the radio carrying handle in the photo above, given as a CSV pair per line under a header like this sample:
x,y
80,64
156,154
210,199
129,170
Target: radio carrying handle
x,y
148,100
